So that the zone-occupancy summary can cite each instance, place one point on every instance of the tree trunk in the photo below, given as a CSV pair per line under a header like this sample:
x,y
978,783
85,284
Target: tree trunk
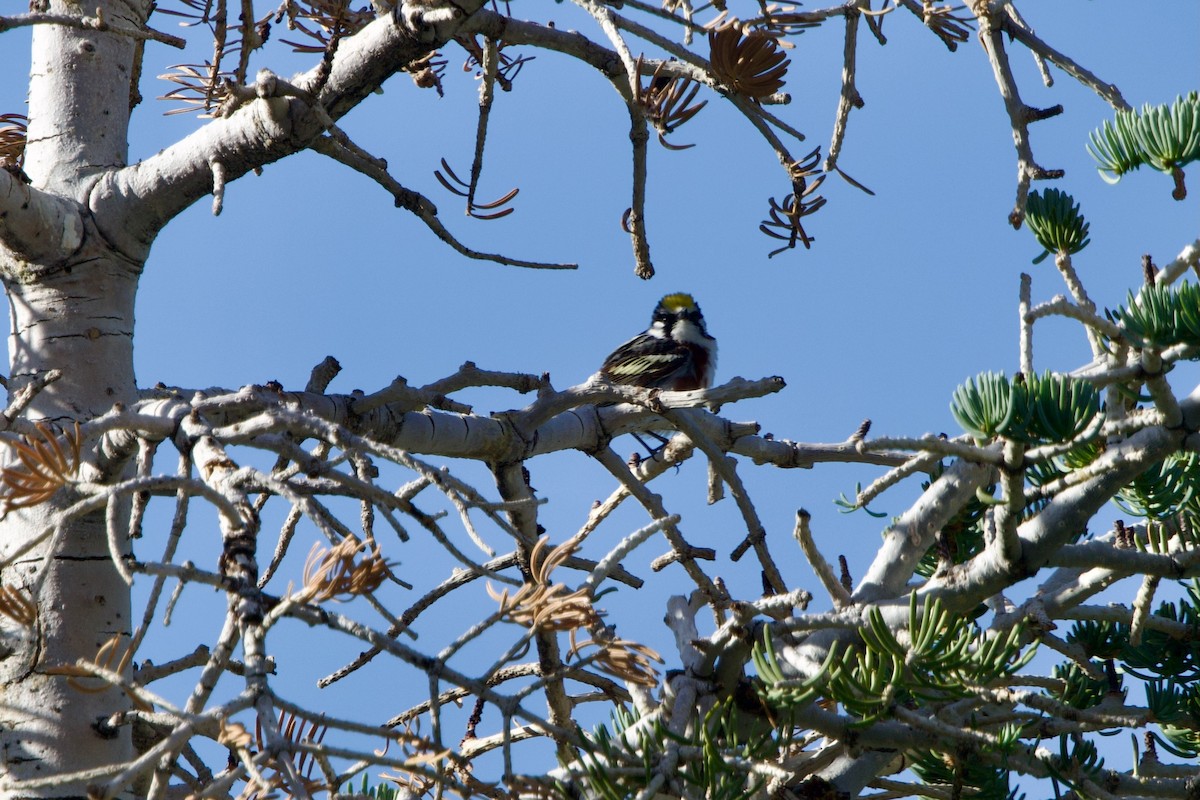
x,y
71,298
73,241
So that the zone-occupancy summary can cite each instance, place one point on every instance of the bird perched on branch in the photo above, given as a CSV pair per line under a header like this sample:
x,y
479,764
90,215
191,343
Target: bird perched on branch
x,y
675,353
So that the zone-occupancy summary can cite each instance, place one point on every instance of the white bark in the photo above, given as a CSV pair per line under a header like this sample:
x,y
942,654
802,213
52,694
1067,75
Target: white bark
x,y
35,227
73,243
71,307
49,726
79,90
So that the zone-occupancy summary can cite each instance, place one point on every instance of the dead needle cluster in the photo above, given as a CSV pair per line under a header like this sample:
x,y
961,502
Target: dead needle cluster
x,y
45,468
334,574
550,608
750,64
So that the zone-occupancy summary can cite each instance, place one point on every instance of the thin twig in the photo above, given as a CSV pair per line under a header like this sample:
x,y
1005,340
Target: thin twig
x,y
88,24
419,205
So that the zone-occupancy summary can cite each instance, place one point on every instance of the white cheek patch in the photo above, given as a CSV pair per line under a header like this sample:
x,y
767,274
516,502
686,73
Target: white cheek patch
x,y
657,330
691,333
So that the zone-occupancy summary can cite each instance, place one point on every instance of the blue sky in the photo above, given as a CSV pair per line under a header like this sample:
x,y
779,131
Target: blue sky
x,y
903,295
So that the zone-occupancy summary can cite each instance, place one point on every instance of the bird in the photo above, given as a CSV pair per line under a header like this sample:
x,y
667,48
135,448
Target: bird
x,y
676,353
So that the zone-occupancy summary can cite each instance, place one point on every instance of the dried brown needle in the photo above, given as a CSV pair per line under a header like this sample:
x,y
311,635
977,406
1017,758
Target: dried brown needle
x,y
668,103
543,606
750,64
45,468
18,605
622,658
333,574
12,141
785,217
200,89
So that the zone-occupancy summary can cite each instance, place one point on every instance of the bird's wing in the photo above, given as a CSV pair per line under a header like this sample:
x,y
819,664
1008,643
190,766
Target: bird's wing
x,y
645,361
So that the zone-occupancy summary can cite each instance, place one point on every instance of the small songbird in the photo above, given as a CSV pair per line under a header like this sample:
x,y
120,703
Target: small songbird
x,y
675,353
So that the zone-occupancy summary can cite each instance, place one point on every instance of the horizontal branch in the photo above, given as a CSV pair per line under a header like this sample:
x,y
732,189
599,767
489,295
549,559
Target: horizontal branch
x,y
135,202
88,24
1177,566
38,227
583,417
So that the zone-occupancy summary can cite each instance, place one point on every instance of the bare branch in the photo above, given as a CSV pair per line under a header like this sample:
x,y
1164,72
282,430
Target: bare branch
x,y
39,227
415,203
88,24
991,35
138,200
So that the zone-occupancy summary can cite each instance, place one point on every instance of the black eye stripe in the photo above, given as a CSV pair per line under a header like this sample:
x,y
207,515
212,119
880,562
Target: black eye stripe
x,y
691,314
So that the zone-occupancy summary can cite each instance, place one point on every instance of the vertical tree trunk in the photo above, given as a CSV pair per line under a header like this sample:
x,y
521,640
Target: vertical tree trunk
x,y
71,299
77,318
79,97
51,724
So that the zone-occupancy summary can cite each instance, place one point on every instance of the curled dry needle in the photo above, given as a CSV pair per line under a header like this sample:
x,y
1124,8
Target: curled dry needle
x,y
200,89
331,574
667,101
546,607
786,21
627,660
492,63
45,468
197,10
289,729
456,185
427,71
106,658
410,784
785,217
416,784
18,605
947,27
506,71
234,735
203,85
329,19
543,606
12,141
417,751
778,19
752,64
